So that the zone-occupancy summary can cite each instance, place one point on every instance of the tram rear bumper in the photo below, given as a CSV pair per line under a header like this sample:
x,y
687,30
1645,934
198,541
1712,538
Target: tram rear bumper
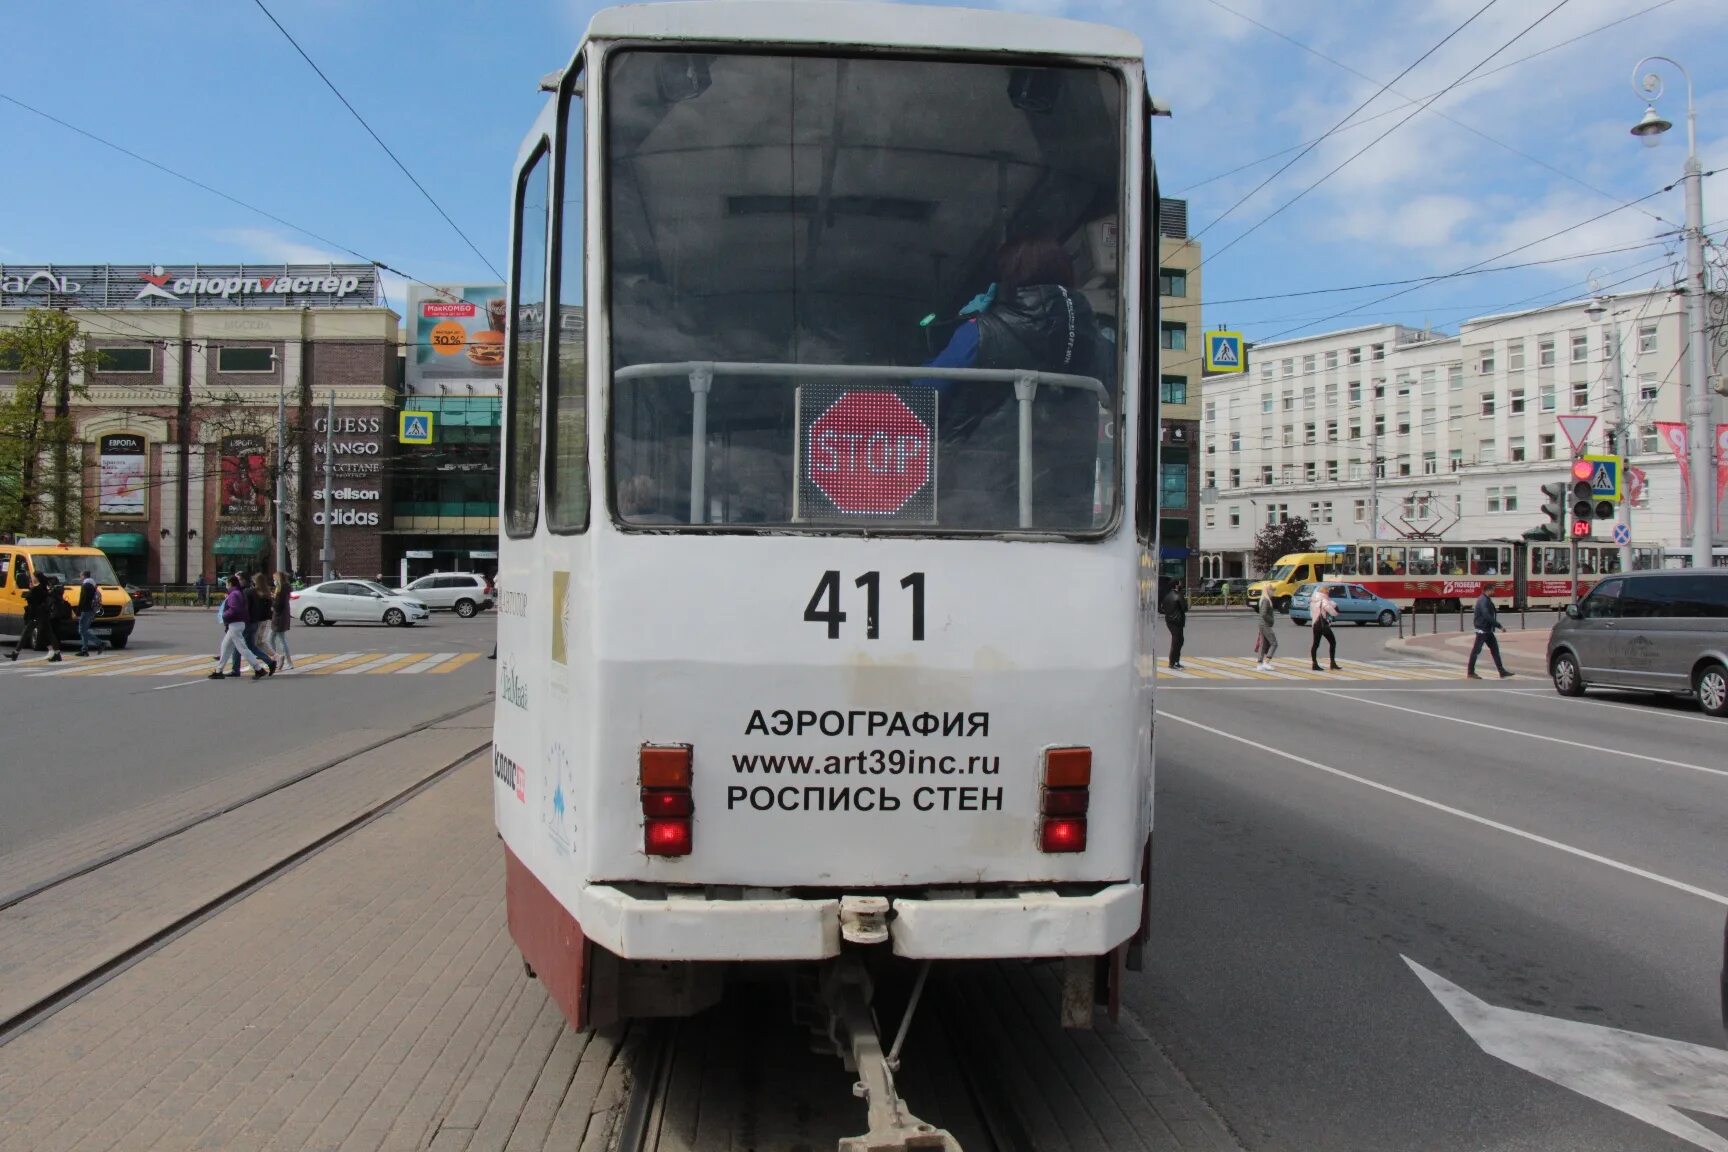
x,y
688,926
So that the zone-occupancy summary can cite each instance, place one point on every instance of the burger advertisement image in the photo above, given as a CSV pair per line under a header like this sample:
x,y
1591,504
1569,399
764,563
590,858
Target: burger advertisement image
x,y
455,333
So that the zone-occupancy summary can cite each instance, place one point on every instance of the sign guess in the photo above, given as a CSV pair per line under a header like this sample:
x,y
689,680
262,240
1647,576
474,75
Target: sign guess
x,y
868,453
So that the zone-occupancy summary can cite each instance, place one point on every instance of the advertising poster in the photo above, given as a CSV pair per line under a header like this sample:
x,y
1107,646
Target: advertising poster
x,y
120,475
1675,435
245,477
455,335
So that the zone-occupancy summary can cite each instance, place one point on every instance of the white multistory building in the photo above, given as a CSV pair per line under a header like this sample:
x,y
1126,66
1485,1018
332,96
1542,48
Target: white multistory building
x,y
1448,434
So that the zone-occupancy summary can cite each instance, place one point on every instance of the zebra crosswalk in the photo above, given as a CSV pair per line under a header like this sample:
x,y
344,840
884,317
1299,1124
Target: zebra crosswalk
x,y
1198,668
184,664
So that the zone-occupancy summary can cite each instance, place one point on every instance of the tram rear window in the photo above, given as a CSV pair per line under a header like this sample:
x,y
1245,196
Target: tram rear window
x,y
801,247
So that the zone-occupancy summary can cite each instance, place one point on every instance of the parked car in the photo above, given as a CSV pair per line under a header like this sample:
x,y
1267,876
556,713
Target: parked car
x,y
1661,631
141,598
464,593
1356,604
356,602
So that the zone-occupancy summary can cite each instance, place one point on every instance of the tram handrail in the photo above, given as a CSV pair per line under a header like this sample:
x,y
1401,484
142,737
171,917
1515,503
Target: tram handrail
x,y
701,374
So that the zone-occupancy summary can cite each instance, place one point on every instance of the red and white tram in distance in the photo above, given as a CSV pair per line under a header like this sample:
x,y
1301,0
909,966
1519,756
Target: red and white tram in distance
x,y
1450,574
830,464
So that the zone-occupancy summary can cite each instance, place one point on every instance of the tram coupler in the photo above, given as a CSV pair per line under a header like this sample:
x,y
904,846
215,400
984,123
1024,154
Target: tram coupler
x,y
846,989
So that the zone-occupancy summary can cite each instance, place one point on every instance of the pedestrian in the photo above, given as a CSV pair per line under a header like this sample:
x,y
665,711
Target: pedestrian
x,y
203,588
281,619
38,619
89,602
1268,613
1487,623
234,619
258,613
1176,618
1321,610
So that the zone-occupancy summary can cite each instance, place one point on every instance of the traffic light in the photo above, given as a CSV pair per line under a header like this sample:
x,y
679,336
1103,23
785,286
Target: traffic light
x,y
1583,502
1581,529
1555,509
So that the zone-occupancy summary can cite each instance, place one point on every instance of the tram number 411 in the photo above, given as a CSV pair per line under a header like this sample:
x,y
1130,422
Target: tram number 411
x,y
824,606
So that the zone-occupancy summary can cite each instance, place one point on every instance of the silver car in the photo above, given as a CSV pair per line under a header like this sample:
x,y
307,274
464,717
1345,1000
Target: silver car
x,y
463,593
1649,631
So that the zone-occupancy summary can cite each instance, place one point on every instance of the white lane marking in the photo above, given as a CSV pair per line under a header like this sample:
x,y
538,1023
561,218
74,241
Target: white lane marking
x,y
1325,687
1643,710
1647,1077
379,662
1534,838
1536,736
430,662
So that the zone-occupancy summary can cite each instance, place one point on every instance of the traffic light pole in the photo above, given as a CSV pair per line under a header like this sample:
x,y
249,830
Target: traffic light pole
x,y
1617,410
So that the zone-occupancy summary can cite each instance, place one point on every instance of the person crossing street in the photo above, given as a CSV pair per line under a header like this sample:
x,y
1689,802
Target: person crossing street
x,y
89,602
1321,610
1487,623
1176,617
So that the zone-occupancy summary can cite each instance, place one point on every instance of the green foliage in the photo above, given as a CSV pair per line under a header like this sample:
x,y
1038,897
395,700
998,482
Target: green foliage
x,y
1275,540
41,489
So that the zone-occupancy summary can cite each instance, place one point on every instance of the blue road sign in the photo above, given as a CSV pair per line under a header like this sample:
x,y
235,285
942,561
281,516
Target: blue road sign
x,y
1622,534
1224,352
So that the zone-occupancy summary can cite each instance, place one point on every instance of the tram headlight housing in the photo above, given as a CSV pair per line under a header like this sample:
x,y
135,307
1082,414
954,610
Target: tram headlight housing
x,y
668,805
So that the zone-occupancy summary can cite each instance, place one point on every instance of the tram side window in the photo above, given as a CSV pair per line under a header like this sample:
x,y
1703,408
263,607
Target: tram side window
x,y
567,402
1389,562
1343,563
796,242
1610,560
1454,561
528,300
1424,562
1485,562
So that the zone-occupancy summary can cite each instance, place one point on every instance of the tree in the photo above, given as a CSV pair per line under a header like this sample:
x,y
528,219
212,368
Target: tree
x,y
51,357
1281,539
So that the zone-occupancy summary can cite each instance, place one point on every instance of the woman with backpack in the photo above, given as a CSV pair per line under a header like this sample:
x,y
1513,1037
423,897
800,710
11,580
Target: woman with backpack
x,y
234,620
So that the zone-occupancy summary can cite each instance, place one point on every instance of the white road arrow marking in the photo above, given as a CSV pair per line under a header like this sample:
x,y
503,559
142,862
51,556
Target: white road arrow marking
x,y
1643,1076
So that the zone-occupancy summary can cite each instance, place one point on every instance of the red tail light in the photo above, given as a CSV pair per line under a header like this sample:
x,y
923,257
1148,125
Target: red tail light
x,y
663,774
293,595
1064,800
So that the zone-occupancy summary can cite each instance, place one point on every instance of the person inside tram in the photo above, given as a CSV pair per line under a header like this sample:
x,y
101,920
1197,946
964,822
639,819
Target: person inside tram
x,y
1034,318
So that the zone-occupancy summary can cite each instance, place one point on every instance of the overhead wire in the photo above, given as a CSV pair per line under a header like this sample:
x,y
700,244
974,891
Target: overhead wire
x,y
412,179
1348,160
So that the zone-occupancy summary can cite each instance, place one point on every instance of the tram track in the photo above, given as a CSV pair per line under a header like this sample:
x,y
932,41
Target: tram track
x,y
21,1019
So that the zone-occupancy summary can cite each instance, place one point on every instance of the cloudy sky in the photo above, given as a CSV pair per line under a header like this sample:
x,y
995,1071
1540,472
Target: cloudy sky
x,y
1526,161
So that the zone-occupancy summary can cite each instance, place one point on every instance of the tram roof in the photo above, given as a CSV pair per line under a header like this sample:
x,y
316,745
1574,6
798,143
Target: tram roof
x,y
853,22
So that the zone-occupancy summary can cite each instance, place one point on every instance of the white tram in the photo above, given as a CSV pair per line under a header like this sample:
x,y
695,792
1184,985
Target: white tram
x,y
830,446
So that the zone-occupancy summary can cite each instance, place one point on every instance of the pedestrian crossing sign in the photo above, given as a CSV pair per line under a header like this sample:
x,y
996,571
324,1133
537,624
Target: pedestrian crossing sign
x,y
1607,477
1224,352
414,428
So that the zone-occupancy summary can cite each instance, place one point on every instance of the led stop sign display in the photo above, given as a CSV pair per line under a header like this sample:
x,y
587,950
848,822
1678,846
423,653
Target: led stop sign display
x,y
867,453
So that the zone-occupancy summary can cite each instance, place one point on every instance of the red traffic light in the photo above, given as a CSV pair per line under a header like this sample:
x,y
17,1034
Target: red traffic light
x,y
1580,529
1583,470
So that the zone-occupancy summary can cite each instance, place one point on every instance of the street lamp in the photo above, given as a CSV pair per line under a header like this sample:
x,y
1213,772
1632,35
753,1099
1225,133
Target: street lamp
x,y
1699,437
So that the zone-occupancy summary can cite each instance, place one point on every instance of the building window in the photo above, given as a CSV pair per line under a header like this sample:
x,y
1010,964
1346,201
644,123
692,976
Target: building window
x,y
1308,365
1331,393
1211,412
1580,394
1454,412
1509,499
1235,516
1308,397
1430,463
1172,282
1380,389
1235,477
1646,338
254,358
1404,383
1487,403
1493,499
128,359
1485,452
1547,398
1308,472
1455,377
1331,431
1580,347
1209,519
1651,441
1515,450
1211,480
1266,404
1380,467
1332,360
1379,351
1288,367
1173,336
1403,423
1235,441
1308,433
1355,429
1355,392
1355,355
1429,422
1515,356
1545,352
1289,435
1211,446
1485,360
1516,401
1647,386
1455,459
1325,511
1289,401
1359,510
1331,469
1265,473
1173,478
1403,467
1173,389
1545,446
1379,424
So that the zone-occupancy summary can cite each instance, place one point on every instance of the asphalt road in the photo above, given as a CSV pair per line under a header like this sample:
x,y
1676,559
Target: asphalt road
x,y
80,745
1444,822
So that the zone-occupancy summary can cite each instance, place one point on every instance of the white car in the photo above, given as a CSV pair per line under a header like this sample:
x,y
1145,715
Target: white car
x,y
464,593
356,602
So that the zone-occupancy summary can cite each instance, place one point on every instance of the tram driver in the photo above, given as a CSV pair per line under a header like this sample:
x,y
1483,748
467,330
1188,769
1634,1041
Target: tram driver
x,y
1033,317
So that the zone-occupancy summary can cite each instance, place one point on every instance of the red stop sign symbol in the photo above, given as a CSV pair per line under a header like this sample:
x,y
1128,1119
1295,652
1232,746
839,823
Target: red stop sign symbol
x,y
869,452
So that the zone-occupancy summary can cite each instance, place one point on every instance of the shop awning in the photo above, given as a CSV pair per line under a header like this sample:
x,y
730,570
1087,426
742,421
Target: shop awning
x,y
122,543
239,544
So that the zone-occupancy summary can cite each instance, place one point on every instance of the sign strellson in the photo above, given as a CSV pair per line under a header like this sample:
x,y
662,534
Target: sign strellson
x,y
189,285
